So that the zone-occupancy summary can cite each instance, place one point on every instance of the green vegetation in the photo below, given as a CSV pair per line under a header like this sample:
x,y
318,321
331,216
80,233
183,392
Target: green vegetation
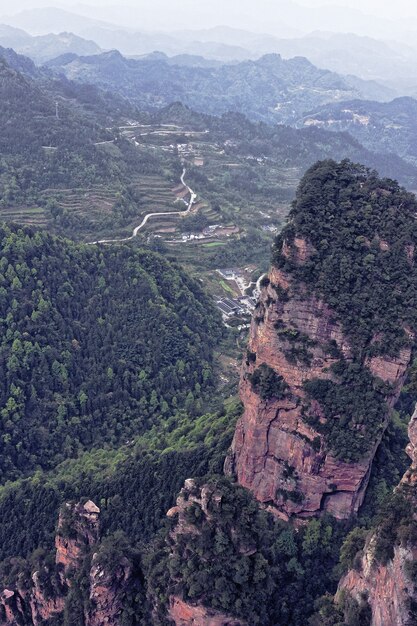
x,y
107,355
267,383
244,562
97,345
134,485
361,227
363,233
354,408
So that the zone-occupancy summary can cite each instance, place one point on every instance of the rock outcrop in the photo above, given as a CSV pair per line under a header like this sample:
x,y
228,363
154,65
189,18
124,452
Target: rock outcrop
x,y
44,595
107,592
275,453
184,614
78,530
207,502
389,588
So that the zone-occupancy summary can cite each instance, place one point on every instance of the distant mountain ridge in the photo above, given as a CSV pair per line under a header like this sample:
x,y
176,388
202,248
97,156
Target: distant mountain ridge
x,y
270,89
45,47
381,126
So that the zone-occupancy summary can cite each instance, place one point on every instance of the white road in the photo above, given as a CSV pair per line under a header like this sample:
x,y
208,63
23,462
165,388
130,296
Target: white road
x,y
193,197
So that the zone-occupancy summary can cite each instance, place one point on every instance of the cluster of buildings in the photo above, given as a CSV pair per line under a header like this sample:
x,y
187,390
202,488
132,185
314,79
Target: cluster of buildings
x,y
236,307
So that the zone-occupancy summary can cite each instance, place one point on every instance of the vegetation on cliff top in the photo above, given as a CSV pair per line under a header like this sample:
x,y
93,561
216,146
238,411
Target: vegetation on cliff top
x,y
242,561
363,234
363,230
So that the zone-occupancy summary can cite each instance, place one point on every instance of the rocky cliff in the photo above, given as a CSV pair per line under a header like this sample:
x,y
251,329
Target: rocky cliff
x,y
390,585
323,341
276,454
46,592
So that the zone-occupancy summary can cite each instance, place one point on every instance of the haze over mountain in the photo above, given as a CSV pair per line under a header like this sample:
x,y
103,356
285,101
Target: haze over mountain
x,y
42,48
339,39
270,89
284,18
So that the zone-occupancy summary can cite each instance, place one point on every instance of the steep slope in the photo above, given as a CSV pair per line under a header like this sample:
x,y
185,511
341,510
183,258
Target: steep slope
x,y
384,572
87,582
330,343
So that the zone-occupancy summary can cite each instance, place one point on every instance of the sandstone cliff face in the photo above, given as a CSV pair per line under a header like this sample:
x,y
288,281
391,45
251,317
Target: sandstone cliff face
x,y
107,593
78,529
274,451
184,614
32,602
388,588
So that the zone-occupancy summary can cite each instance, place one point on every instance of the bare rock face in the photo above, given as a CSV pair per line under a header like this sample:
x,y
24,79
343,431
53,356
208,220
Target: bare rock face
x,y
275,453
389,588
32,602
78,529
184,614
107,591
409,481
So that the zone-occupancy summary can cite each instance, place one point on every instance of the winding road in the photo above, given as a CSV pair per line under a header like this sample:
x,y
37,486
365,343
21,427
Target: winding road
x,y
190,204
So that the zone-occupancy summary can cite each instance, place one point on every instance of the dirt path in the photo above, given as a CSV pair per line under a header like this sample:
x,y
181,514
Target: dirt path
x,y
190,204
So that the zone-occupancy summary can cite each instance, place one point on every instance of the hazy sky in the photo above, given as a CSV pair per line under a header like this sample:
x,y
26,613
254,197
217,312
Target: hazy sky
x,y
151,14
399,8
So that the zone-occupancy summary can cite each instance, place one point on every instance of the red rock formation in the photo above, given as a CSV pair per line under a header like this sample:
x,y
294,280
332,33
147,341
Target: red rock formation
x,y
209,500
78,529
107,593
272,437
30,603
184,614
388,588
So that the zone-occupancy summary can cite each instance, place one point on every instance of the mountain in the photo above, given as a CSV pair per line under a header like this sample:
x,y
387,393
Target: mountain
x,y
389,63
330,344
118,378
43,48
269,89
43,21
330,341
61,391
188,60
389,127
101,164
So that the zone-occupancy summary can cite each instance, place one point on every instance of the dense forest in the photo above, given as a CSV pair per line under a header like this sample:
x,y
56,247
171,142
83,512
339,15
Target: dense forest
x,y
96,345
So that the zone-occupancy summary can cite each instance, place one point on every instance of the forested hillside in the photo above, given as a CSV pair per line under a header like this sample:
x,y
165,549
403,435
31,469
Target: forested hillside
x,y
96,346
380,126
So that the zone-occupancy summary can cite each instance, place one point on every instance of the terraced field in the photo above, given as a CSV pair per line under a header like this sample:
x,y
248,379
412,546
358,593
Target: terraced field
x,y
100,209
29,216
